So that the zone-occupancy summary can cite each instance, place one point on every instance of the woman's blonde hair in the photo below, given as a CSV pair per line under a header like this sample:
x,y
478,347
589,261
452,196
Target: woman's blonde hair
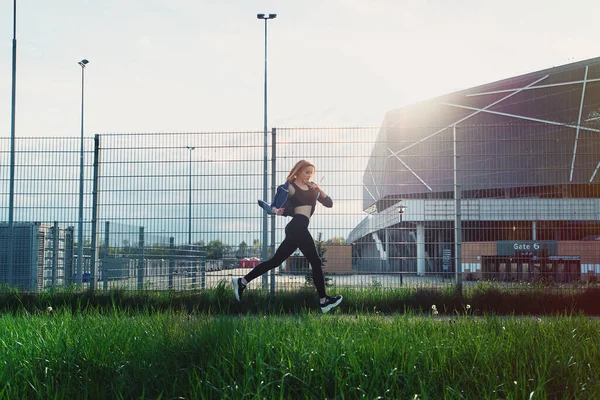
x,y
300,165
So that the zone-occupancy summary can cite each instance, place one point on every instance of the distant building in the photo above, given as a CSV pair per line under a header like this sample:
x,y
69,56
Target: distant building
x,y
42,257
524,153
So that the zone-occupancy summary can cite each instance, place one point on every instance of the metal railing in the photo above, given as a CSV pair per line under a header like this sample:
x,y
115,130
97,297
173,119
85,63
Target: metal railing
x,y
178,211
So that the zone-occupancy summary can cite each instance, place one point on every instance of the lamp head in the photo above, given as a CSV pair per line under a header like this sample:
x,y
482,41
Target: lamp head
x,y
401,208
83,62
265,16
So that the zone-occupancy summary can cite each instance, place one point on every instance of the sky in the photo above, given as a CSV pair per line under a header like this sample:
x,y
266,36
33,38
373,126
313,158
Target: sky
x,y
198,65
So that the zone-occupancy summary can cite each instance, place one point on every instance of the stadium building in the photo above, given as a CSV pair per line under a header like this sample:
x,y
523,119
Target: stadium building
x,y
501,180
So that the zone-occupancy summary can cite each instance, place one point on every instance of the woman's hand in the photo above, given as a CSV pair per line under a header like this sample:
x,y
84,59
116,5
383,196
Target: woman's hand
x,y
316,187
278,211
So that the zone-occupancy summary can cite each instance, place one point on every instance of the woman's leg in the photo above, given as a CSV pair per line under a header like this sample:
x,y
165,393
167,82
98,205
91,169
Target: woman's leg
x,y
287,247
306,244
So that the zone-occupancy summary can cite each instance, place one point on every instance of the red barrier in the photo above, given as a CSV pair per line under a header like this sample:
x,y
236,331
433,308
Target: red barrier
x,y
249,262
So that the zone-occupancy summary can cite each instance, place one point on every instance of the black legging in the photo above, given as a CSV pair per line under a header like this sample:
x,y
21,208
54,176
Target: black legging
x,y
296,236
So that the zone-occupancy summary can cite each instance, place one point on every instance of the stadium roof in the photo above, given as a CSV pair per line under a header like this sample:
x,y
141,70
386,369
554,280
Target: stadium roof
x,y
533,130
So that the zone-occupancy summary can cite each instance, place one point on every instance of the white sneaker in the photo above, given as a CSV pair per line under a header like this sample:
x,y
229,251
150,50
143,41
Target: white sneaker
x,y
238,288
331,302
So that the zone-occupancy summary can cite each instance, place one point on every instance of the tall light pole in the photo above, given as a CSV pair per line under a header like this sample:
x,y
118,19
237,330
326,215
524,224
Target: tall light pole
x,y
265,17
190,148
11,195
82,63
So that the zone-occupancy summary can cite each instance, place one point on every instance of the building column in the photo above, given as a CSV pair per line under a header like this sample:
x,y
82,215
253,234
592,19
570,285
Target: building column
x,y
420,249
382,250
387,250
534,230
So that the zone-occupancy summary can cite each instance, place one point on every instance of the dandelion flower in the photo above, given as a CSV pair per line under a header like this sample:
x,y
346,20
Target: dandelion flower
x,y
49,309
468,306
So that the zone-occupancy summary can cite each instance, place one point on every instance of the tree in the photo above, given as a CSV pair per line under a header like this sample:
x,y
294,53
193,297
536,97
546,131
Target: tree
x,y
215,250
242,250
256,248
335,241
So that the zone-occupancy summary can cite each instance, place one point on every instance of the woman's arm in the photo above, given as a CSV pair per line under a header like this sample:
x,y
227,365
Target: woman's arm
x,y
281,211
323,197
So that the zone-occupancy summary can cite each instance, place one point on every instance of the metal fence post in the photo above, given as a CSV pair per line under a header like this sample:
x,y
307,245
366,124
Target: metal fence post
x,y
105,256
55,234
203,267
265,229
457,217
273,186
171,261
68,255
193,265
11,245
94,215
140,271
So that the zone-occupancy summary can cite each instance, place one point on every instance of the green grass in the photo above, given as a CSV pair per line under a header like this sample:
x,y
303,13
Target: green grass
x,y
478,343
60,354
483,298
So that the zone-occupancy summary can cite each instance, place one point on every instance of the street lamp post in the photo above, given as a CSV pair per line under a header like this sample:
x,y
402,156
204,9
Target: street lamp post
x,y
457,215
79,281
11,194
190,148
401,209
265,17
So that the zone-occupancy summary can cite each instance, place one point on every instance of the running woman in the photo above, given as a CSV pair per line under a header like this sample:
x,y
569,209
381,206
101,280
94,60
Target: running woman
x,y
297,198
